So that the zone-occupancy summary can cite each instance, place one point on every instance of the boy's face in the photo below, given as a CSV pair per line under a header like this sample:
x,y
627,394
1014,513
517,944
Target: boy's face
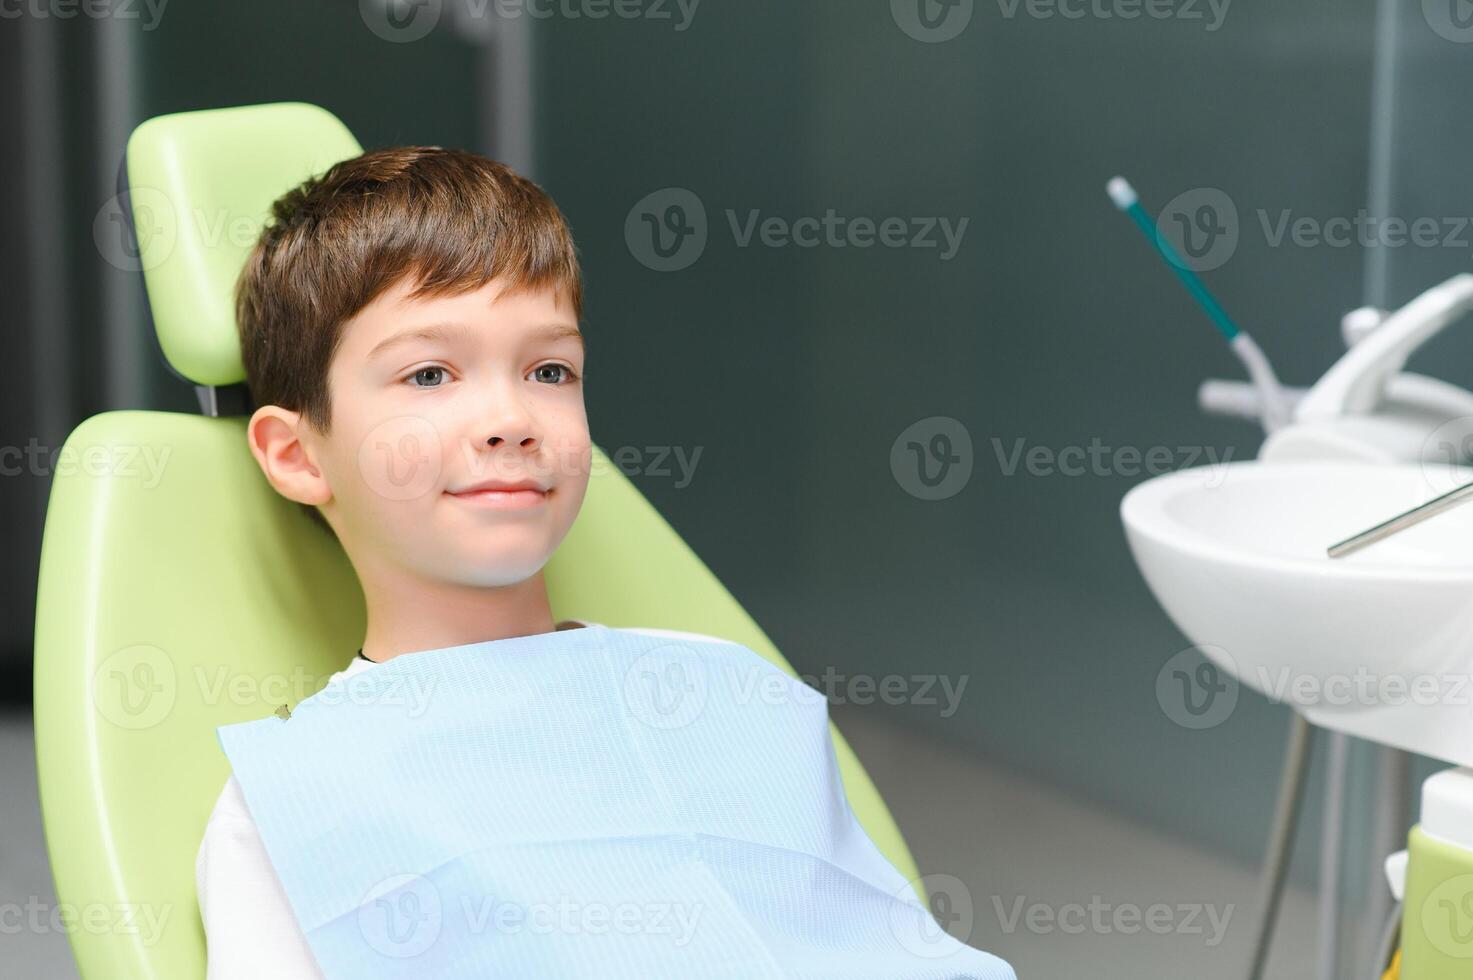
x,y
433,397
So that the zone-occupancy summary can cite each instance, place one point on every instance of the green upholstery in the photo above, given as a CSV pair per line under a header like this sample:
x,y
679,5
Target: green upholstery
x,y
200,186
178,592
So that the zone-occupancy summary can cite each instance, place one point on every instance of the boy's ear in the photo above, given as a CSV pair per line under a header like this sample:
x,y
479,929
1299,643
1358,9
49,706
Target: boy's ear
x,y
278,441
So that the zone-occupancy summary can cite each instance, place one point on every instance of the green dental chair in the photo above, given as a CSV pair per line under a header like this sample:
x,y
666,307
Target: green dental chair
x,y
179,592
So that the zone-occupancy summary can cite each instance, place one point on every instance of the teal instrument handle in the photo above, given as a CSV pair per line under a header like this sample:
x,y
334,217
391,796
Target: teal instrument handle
x,y
1220,319
1275,408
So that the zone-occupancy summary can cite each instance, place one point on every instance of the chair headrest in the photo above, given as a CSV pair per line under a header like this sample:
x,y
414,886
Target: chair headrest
x,y
199,188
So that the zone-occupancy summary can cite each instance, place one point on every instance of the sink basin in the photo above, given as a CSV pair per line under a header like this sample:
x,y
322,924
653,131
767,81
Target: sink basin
x,y
1378,643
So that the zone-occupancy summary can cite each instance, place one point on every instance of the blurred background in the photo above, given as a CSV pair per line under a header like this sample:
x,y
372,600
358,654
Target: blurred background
x,y
1018,312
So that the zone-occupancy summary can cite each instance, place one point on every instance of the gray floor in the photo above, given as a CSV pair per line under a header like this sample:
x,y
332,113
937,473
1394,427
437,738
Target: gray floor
x,y
1057,889
25,875
1061,890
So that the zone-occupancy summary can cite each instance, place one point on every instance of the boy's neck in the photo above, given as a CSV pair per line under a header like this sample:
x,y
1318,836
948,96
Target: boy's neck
x,y
410,617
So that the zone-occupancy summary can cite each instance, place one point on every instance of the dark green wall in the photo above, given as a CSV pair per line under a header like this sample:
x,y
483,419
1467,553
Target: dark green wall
x,y
795,369
792,371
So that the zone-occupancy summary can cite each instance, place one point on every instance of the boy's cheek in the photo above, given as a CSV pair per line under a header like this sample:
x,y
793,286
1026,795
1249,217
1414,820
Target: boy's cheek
x,y
401,458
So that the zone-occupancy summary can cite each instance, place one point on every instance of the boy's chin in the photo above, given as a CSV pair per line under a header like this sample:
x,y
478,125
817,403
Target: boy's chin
x,y
494,570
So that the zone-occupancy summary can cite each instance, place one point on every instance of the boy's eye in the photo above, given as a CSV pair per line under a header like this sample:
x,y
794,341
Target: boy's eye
x,y
567,372
433,376
422,372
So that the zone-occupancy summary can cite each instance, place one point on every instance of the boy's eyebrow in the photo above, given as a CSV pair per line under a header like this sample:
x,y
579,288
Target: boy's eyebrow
x,y
441,331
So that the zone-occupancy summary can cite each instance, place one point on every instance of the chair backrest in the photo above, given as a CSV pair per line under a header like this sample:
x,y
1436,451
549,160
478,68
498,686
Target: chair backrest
x,y
179,592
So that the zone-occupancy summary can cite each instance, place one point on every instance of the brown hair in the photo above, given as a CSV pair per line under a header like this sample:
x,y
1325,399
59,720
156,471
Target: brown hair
x,y
454,219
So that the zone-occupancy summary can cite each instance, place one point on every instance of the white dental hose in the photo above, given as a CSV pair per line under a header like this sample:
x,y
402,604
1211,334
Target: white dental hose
x,y
1275,402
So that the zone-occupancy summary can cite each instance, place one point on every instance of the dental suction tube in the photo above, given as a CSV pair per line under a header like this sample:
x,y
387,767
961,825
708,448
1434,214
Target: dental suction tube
x,y
1276,406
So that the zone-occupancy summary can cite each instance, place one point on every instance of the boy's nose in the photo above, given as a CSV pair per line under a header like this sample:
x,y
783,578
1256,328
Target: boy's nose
x,y
526,441
509,423
512,453
514,436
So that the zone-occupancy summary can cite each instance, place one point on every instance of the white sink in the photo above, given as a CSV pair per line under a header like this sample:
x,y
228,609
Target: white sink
x,y
1378,643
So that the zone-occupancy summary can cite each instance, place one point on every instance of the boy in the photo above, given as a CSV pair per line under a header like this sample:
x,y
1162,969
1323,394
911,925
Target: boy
x,y
409,326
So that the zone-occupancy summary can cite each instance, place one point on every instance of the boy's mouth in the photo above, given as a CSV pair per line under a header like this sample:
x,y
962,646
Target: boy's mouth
x,y
504,499
503,494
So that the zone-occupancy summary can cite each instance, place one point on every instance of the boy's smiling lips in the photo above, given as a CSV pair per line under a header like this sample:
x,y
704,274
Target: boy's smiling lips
x,y
503,494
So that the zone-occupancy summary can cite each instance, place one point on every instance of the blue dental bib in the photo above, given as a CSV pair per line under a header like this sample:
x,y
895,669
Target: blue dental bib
x,y
590,802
